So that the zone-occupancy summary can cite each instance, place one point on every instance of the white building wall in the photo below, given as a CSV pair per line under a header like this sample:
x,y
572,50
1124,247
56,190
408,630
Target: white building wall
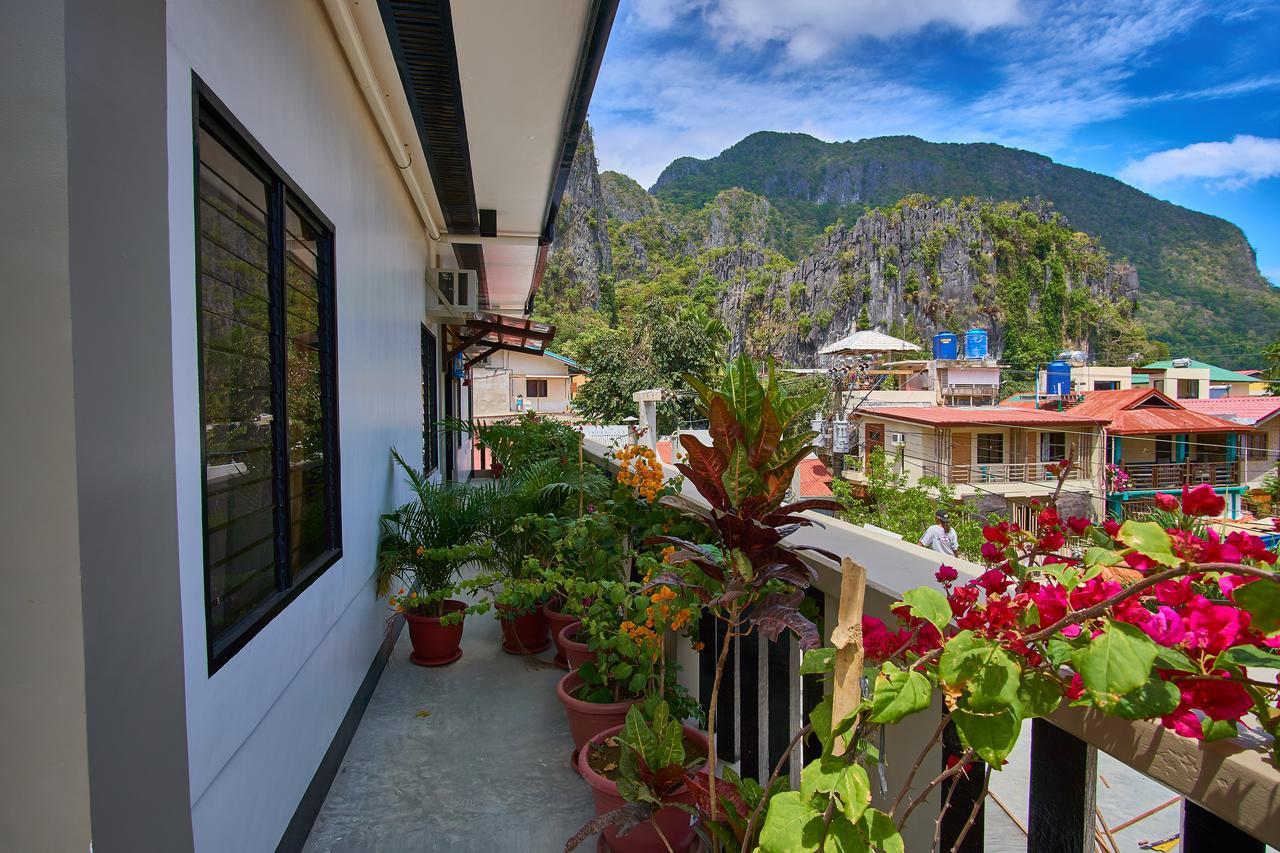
x,y
499,388
258,728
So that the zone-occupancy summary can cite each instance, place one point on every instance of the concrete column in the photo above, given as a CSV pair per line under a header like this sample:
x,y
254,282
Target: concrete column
x,y
648,401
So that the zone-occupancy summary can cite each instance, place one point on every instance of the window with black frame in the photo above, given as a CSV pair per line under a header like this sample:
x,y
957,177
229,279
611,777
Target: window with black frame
x,y
268,398
430,403
990,448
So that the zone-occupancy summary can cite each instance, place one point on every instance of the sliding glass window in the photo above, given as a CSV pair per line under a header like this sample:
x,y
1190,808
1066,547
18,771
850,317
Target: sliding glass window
x,y
265,279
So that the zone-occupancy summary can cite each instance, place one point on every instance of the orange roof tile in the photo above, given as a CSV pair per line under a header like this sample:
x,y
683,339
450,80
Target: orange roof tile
x,y
977,415
815,479
1146,411
1243,410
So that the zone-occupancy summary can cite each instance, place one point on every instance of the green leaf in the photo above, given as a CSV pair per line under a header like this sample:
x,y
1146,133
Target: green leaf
x,y
854,790
818,661
1149,538
929,604
1262,600
821,776
982,668
1217,729
1167,658
820,720
1116,661
1039,694
1059,649
1102,557
844,837
1250,656
898,693
990,734
1067,576
1153,699
790,825
881,831
739,479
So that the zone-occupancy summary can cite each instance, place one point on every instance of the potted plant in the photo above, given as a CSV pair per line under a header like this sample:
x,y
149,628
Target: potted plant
x,y
422,545
640,774
625,633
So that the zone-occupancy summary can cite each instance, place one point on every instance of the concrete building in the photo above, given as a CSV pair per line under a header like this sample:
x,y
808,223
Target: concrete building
x,y
996,458
219,219
508,383
1261,444
1095,377
1188,379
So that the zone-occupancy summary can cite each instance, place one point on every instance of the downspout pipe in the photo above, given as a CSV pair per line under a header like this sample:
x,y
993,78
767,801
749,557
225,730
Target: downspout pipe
x,y
348,32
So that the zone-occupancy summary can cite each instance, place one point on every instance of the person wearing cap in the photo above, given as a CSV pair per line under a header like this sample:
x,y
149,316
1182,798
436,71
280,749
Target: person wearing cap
x,y
941,537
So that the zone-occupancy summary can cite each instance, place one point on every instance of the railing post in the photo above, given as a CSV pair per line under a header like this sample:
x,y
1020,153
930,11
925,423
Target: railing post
x,y
961,794
1061,804
1205,832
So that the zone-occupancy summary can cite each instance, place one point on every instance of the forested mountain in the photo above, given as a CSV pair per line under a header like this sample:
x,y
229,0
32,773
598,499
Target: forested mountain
x,y
792,243
1200,282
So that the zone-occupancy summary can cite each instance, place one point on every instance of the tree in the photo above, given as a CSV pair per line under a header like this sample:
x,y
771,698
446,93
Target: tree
x,y
907,510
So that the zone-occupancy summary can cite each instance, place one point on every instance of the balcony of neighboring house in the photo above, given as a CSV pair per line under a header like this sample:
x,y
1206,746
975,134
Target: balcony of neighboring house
x,y
1140,466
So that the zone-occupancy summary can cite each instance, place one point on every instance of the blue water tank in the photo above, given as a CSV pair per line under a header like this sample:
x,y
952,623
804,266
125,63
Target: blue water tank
x,y
975,344
1058,379
946,346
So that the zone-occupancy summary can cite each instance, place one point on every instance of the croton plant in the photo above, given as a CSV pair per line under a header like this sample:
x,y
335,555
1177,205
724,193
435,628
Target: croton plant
x,y
1163,619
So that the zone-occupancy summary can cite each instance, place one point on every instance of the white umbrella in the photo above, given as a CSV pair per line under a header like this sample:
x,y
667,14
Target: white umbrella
x,y
868,341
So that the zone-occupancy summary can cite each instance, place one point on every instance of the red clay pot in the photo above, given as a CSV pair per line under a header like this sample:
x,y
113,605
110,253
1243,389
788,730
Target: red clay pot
x,y
526,634
576,653
677,825
588,718
558,621
435,644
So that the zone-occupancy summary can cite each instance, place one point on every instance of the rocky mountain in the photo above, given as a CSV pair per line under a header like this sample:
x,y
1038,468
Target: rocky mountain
x,y
782,285
1201,285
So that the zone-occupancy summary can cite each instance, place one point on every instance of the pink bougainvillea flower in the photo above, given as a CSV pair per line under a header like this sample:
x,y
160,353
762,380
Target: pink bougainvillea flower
x,y
1076,688
1185,722
1112,527
1079,526
1202,500
997,533
1048,517
1174,593
991,552
1164,626
1166,501
1051,540
994,581
1218,698
1215,627
1139,562
1050,601
946,574
1251,546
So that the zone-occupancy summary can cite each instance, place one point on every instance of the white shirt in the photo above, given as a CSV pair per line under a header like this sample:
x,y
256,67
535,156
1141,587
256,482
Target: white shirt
x,y
942,541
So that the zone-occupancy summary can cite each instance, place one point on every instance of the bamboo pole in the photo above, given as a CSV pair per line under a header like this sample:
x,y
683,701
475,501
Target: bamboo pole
x,y
847,639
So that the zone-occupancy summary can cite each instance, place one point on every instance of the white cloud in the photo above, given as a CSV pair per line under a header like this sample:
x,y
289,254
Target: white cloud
x,y
1223,165
812,29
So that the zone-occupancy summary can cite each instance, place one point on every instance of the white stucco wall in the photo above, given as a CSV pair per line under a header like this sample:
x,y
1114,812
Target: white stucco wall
x,y
498,386
258,728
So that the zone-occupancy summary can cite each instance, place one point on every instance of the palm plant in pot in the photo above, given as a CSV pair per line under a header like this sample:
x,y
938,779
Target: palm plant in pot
x,y
422,545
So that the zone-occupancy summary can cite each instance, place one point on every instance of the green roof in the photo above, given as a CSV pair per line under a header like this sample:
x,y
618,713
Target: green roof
x,y
1216,374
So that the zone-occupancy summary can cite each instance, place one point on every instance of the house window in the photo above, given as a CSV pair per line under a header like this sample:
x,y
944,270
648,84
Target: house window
x,y
430,403
1188,389
1256,445
990,448
1108,385
1053,446
268,398
535,387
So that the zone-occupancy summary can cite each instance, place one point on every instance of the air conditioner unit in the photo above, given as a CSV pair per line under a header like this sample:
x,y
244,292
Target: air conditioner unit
x,y
453,291
896,439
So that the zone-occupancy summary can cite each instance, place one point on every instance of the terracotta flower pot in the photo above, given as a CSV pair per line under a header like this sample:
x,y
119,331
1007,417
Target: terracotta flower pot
x,y
676,824
558,621
588,718
435,644
575,652
525,634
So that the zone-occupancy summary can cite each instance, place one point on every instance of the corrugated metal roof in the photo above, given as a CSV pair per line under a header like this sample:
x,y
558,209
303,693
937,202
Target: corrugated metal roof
x,y
978,415
1146,411
869,341
1216,374
1248,411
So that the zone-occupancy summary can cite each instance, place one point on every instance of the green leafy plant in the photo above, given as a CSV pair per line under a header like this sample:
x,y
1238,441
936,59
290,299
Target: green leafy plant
x,y
423,543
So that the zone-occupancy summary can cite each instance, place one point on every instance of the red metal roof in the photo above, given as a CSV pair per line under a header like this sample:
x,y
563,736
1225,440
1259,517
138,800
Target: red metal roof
x,y
945,416
815,479
1249,411
1146,411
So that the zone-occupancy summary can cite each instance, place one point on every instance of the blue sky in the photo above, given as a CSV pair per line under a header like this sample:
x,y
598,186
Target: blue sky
x,y
1181,99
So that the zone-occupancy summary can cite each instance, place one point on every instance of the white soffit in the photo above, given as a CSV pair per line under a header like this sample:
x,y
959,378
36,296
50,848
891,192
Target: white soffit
x,y
516,62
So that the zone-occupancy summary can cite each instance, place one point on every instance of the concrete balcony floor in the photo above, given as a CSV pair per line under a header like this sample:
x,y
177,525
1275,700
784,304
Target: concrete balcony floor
x,y
487,770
